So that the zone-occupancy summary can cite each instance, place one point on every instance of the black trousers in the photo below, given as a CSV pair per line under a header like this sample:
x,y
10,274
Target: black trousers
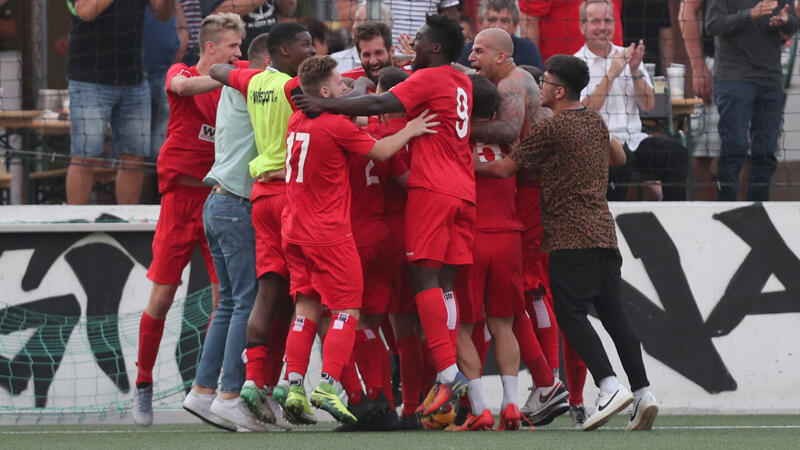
x,y
591,277
665,158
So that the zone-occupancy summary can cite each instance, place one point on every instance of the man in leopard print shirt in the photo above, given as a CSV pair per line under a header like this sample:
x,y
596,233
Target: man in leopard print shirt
x,y
573,151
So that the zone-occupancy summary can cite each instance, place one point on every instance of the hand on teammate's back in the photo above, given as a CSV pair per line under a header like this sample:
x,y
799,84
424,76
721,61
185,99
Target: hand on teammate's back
x,y
307,103
422,124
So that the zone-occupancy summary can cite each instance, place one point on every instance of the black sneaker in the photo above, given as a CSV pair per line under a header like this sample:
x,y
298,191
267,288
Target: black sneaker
x,y
381,403
385,421
410,423
365,409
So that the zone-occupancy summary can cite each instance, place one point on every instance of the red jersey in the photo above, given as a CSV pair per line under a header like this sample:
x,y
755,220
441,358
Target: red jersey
x,y
369,181
396,194
440,162
496,207
560,25
318,208
189,147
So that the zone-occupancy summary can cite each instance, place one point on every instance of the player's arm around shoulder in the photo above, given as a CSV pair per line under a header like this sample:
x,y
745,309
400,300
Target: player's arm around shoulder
x,y
388,146
183,83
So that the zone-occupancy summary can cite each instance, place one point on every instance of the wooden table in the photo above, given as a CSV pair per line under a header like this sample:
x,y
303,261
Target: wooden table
x,y
684,106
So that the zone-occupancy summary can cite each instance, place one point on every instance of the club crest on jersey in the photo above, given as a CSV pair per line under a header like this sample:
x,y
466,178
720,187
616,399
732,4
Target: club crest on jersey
x,y
206,133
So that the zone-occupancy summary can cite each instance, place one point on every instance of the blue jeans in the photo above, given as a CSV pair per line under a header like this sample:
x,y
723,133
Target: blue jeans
x,y
747,107
231,239
93,106
159,106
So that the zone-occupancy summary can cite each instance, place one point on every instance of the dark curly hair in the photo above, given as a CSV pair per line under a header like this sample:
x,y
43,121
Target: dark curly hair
x,y
485,97
446,31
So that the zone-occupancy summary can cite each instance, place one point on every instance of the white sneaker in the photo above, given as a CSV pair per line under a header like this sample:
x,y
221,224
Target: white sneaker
x,y
546,403
607,406
234,410
643,414
143,406
280,420
200,405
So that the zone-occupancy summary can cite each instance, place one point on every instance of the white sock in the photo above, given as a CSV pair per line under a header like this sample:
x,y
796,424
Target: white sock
x,y
639,393
447,375
295,379
509,390
475,394
609,384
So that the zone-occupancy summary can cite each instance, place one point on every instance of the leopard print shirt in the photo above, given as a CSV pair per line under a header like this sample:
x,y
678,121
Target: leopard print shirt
x,y
571,151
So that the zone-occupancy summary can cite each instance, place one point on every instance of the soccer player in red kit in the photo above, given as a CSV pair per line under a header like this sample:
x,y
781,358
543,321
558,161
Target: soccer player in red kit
x,y
183,161
440,212
323,261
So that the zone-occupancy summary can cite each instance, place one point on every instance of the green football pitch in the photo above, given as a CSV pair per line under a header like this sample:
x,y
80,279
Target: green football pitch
x,y
669,432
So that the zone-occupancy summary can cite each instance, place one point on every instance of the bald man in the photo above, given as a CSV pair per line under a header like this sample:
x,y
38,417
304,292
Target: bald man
x,y
519,109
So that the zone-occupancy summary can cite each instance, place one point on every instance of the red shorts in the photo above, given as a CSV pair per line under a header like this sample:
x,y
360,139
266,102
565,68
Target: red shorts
x,y
439,228
330,274
534,262
267,211
376,265
178,231
401,300
493,283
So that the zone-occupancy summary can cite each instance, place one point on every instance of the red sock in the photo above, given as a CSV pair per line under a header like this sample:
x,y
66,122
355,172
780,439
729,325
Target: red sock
x,y
386,375
369,351
388,334
481,339
276,343
452,322
531,352
433,314
350,381
545,327
255,358
150,332
298,345
429,369
410,350
338,345
576,372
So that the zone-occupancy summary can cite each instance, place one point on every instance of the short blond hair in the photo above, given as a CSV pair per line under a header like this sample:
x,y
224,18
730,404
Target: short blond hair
x,y
586,4
314,72
214,25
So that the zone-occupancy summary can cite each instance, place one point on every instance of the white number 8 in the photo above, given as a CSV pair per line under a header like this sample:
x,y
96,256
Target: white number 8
x,y
462,109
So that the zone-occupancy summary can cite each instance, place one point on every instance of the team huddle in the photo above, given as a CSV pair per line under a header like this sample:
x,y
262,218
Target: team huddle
x,y
347,206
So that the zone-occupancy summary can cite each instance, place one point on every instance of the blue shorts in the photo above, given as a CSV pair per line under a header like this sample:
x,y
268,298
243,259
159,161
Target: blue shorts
x,y
93,106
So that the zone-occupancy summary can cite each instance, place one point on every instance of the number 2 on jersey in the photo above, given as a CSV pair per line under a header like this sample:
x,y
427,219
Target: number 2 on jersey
x,y
303,139
462,109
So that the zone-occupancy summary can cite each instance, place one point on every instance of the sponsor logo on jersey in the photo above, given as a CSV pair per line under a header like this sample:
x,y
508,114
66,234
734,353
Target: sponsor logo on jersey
x,y
206,133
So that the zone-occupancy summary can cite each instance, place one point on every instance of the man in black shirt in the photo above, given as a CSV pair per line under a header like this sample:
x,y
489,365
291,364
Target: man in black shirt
x,y
106,85
259,16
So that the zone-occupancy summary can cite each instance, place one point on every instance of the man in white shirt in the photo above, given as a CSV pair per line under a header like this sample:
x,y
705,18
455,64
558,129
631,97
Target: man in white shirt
x,y
618,88
409,15
349,58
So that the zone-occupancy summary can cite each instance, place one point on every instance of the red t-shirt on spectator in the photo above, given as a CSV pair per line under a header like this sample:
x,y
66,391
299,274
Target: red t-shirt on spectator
x,y
560,25
440,162
189,147
318,210
496,207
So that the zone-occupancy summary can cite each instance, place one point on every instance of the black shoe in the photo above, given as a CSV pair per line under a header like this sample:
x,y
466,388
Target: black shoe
x,y
381,403
461,415
386,421
410,423
348,427
365,409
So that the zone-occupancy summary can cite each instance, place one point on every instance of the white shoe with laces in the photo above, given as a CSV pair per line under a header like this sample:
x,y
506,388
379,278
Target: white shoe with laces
x,y
280,420
200,405
234,410
546,403
643,414
607,406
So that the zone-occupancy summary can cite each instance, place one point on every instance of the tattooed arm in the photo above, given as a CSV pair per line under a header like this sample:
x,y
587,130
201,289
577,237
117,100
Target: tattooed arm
x,y
506,127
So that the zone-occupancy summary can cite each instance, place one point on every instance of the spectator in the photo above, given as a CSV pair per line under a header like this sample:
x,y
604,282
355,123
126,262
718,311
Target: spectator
x,y
748,88
259,16
553,26
319,33
349,58
649,21
504,14
106,85
409,15
618,87
189,29
160,43
705,140
468,28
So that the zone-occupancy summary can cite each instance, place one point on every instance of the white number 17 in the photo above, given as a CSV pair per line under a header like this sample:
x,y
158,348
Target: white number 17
x,y
303,139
